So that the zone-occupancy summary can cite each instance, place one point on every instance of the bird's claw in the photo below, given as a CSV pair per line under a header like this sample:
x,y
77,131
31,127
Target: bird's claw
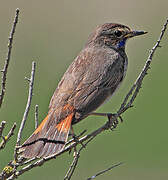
x,y
113,120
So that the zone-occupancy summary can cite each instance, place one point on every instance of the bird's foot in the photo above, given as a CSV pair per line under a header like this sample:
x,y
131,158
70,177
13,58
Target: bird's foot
x,y
113,120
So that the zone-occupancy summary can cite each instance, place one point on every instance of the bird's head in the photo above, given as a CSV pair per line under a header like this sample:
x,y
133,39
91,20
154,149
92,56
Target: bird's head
x,y
113,35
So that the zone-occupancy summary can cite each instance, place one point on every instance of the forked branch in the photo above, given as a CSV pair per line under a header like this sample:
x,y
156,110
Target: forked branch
x,y
8,57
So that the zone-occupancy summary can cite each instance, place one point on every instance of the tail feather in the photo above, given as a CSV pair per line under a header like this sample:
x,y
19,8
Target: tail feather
x,y
45,140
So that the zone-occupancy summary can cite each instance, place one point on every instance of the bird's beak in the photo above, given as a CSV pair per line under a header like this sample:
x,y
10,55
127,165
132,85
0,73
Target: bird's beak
x,y
135,33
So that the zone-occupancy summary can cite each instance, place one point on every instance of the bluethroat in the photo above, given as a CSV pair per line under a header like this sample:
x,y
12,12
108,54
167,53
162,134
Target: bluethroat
x,y
90,80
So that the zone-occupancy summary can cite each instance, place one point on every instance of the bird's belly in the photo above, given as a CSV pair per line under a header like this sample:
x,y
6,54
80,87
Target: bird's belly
x,y
111,92
100,100
102,94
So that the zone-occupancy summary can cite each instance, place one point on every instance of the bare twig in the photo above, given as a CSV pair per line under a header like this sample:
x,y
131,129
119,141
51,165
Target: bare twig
x,y
75,160
13,165
31,83
29,161
5,139
102,172
128,104
72,167
2,126
5,68
36,116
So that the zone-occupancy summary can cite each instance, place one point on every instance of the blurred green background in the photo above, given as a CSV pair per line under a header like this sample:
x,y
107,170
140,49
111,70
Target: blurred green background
x,y
52,33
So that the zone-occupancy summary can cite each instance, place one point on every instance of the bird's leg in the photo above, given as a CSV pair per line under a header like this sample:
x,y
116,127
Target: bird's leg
x,y
110,117
75,139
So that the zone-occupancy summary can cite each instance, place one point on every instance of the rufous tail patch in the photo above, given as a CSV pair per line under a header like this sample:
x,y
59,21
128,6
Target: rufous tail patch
x,y
41,125
65,124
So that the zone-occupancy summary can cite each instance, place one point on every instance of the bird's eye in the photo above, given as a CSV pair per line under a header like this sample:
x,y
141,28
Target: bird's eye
x,y
118,33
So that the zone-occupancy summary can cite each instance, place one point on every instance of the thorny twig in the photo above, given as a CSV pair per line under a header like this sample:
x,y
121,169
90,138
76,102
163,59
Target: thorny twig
x,y
103,171
13,165
41,161
75,161
72,166
36,116
127,103
5,68
31,83
25,115
5,139
132,94
2,126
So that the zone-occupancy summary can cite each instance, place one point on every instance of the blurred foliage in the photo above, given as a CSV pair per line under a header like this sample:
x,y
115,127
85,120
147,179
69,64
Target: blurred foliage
x,y
52,33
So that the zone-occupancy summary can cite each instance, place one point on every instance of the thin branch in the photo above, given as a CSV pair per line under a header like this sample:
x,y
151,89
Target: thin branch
x,y
2,126
102,172
72,167
5,68
128,104
5,139
31,83
36,116
29,161
41,161
74,163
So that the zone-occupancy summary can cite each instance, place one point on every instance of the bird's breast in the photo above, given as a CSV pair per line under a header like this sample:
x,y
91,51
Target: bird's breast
x,y
118,73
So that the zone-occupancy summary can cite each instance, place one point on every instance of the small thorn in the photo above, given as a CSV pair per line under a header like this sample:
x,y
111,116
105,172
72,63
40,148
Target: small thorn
x,y
26,78
17,10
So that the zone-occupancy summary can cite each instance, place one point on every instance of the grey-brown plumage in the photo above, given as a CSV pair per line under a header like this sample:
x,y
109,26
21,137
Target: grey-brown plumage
x,y
89,81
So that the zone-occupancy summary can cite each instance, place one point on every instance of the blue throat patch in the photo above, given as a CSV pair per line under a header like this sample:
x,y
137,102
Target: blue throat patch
x,y
121,43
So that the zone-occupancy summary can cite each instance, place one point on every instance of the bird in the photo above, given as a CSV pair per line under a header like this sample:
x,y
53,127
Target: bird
x,y
91,79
